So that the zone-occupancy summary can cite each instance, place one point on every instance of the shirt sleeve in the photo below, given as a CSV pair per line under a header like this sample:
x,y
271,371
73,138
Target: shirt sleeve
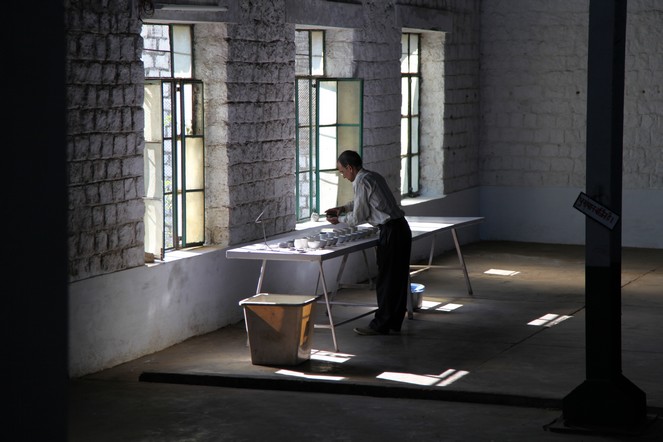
x,y
359,208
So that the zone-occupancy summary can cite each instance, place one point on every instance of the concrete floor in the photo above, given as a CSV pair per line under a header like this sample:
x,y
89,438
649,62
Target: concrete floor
x,y
477,372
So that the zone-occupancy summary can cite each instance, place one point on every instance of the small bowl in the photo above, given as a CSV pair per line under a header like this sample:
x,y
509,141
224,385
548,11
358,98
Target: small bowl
x,y
314,244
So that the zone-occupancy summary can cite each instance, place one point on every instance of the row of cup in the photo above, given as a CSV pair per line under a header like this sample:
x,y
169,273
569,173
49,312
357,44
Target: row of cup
x,y
348,234
311,242
326,238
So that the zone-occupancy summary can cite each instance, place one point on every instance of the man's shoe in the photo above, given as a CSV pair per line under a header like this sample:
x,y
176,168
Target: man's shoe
x,y
367,331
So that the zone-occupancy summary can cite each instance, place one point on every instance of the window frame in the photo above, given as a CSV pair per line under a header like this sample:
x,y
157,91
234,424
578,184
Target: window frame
x,y
410,131
175,111
308,128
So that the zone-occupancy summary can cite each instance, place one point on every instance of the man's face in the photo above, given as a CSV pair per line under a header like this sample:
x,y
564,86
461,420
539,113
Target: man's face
x,y
347,172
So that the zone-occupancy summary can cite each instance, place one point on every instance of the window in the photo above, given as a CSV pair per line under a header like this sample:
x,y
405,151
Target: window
x,y
329,121
174,141
410,80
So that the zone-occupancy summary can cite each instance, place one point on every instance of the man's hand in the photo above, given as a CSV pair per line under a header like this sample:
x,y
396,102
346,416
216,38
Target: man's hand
x,y
332,214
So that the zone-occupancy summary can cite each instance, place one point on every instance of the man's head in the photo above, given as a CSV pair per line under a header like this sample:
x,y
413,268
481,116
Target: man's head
x,y
349,163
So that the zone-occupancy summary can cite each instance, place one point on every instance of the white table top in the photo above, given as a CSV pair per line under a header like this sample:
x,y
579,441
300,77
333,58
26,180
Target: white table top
x,y
421,227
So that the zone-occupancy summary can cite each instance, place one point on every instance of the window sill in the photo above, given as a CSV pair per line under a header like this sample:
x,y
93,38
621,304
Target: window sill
x,y
176,255
407,201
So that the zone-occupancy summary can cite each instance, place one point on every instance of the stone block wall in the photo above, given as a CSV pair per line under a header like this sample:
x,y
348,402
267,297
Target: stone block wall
x,y
104,93
260,145
377,54
211,54
247,66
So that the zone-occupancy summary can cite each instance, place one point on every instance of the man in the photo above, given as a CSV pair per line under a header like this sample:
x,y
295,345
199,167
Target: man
x,y
374,203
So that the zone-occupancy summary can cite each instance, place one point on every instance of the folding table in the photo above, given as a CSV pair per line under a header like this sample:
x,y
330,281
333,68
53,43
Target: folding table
x,y
422,227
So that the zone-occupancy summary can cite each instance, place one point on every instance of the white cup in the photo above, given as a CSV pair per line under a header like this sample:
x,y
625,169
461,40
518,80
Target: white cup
x,y
301,243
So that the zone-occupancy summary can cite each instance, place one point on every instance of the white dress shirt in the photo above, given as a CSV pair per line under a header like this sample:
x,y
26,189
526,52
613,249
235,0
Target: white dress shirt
x,y
373,203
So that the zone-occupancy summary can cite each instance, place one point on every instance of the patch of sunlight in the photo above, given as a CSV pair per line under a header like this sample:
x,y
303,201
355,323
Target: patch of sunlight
x,y
549,320
330,356
299,374
449,307
501,272
428,305
442,380
435,305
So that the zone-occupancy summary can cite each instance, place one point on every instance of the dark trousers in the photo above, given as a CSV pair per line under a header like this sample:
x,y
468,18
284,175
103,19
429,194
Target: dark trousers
x,y
393,260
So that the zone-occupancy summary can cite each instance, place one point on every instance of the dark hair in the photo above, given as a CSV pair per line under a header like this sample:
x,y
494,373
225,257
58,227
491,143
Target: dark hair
x,y
350,158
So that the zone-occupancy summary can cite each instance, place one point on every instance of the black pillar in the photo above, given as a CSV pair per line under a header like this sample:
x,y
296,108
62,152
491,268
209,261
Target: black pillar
x,y
35,218
606,398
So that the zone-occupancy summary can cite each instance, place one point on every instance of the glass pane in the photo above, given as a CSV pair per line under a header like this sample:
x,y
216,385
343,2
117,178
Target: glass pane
x,y
168,166
195,217
313,103
156,50
182,65
153,220
155,37
317,53
177,114
152,112
182,60
415,173
405,96
195,164
304,197
328,93
349,102
349,137
414,91
168,221
193,109
404,176
328,153
414,135
304,139
158,64
179,233
404,53
152,175
177,169
304,161
405,130
414,53
167,92
301,65
302,54
182,39
328,190
304,102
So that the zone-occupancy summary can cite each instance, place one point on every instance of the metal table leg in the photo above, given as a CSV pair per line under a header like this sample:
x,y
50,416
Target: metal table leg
x,y
462,261
329,313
